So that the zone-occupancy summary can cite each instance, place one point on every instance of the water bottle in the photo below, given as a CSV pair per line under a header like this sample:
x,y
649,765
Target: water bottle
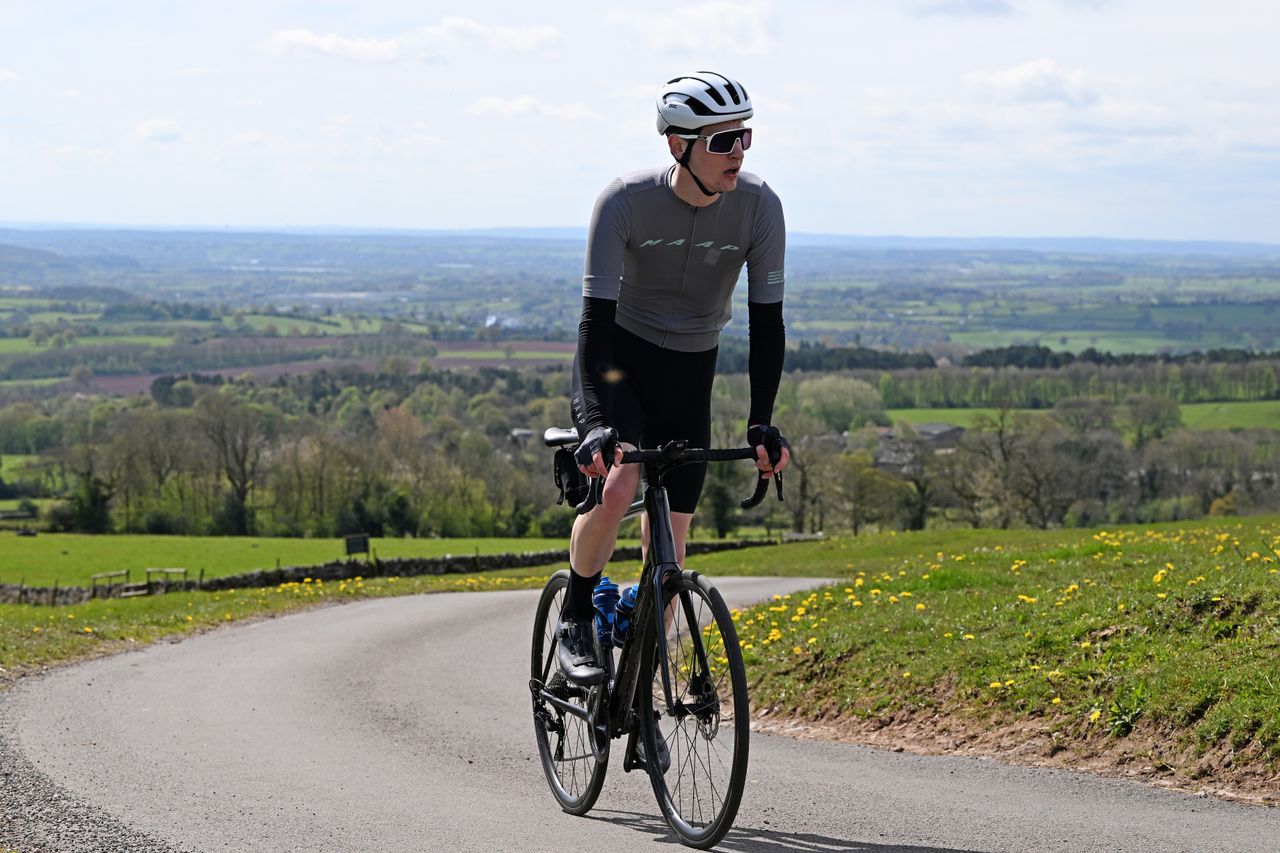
x,y
622,616
605,599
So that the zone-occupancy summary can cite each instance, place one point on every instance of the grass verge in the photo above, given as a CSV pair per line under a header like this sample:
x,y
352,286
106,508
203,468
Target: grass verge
x,y
1156,649
34,637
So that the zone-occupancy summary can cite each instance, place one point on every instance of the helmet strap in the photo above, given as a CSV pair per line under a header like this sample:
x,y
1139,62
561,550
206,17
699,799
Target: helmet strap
x,y
684,161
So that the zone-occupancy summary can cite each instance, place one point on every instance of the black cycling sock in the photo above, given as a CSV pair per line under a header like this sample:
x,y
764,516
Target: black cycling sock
x,y
577,602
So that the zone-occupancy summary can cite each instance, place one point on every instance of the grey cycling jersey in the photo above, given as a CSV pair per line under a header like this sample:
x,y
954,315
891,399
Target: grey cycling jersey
x,y
672,267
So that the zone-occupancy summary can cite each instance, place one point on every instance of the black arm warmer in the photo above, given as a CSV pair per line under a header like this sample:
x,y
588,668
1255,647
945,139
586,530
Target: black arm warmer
x,y
768,339
595,357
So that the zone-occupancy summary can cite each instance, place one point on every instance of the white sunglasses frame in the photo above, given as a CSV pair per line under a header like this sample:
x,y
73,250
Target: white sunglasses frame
x,y
709,137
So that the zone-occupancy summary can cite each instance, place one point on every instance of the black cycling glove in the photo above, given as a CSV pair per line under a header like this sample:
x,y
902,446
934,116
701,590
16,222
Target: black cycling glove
x,y
602,440
771,439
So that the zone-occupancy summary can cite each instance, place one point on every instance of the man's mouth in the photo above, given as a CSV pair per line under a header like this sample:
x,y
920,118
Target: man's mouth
x,y
733,171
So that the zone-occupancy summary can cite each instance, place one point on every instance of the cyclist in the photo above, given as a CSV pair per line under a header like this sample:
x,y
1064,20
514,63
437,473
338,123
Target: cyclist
x,y
664,251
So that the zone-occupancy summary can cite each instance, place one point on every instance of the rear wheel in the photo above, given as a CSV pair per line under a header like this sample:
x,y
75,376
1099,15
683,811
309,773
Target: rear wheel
x,y
703,720
574,755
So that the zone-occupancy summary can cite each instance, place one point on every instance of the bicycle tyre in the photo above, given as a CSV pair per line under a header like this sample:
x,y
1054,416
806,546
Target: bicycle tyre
x,y
575,780
709,721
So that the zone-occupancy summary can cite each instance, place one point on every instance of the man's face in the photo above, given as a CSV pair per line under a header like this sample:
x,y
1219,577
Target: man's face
x,y
718,171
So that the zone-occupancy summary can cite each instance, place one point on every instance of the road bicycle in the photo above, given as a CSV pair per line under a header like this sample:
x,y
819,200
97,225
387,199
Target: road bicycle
x,y
677,689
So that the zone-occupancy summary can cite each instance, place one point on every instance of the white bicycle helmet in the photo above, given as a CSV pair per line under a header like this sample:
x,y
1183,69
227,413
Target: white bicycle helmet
x,y
691,101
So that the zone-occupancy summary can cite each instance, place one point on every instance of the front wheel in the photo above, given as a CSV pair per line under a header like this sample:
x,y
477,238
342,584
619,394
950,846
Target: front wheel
x,y
574,753
697,724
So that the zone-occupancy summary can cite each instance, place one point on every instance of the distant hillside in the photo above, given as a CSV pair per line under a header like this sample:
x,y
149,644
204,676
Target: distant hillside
x,y
27,264
107,241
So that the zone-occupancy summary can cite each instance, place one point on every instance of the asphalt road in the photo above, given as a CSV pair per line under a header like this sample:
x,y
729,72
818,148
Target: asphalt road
x,y
403,725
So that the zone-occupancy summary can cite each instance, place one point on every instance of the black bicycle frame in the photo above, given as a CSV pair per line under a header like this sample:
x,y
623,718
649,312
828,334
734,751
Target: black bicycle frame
x,y
660,561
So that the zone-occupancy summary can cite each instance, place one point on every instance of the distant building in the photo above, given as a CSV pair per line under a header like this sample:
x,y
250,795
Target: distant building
x,y
896,455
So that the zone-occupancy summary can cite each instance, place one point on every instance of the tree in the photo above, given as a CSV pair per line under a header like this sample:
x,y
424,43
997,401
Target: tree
x,y
1146,418
238,434
840,402
863,494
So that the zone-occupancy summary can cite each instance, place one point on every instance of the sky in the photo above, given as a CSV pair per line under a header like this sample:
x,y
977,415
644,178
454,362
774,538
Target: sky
x,y
1156,119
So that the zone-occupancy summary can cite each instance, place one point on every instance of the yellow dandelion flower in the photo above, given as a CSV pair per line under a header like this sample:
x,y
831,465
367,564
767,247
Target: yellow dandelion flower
x,y
1096,715
948,635
970,637
88,630
920,607
36,629
1057,700
797,650
906,674
995,685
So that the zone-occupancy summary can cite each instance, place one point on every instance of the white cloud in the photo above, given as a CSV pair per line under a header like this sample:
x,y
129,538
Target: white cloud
x,y
361,49
423,43
714,28
248,139
955,8
82,154
198,72
528,105
1038,81
455,29
8,75
163,131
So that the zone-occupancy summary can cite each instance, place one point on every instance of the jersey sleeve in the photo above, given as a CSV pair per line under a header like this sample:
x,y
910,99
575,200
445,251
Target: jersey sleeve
x,y
767,251
607,243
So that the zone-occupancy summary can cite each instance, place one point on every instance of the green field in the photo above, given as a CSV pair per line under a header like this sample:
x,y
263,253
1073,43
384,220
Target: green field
x,y
70,559
1243,415
11,463
1079,340
1238,415
501,355
340,325
11,346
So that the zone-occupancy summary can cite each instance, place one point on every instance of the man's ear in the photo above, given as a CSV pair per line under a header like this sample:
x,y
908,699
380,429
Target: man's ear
x,y
676,145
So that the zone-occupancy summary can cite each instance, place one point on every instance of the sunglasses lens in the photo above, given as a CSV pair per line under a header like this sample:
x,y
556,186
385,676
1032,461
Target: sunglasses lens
x,y
722,142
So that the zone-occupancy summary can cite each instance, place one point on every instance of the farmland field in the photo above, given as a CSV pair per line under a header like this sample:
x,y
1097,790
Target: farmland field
x,y
1203,416
70,559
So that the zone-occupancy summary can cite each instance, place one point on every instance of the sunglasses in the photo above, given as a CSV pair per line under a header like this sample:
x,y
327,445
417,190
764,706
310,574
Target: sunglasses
x,y
722,141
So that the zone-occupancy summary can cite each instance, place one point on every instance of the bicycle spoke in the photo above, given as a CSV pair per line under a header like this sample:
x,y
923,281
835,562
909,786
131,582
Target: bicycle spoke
x,y
573,761
707,730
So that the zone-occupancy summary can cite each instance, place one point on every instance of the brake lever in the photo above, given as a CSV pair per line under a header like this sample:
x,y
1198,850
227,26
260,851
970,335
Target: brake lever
x,y
595,495
777,481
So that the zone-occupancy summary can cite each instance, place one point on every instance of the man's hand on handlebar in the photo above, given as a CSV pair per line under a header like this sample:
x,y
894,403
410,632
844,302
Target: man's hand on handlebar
x,y
599,443
773,453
